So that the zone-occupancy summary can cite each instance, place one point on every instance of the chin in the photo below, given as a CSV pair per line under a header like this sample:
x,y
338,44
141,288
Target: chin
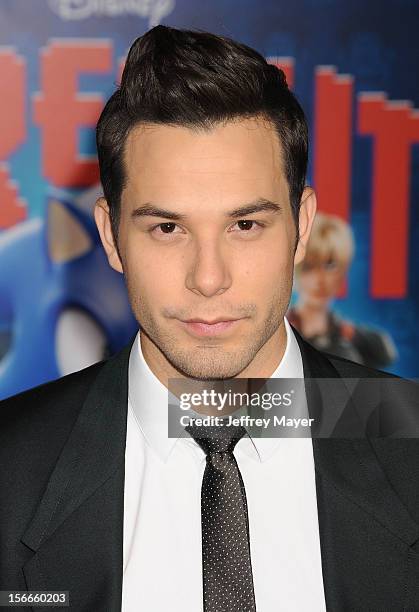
x,y
208,367
216,373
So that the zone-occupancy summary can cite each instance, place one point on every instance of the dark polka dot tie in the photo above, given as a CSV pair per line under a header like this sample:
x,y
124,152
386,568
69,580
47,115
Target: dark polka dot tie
x,y
227,569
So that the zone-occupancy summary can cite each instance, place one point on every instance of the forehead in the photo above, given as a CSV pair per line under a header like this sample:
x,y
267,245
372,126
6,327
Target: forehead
x,y
243,150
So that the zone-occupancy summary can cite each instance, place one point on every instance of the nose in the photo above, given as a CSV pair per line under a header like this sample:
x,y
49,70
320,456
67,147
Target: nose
x,y
209,273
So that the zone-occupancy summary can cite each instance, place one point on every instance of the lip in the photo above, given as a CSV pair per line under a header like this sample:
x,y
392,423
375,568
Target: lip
x,y
218,320
199,328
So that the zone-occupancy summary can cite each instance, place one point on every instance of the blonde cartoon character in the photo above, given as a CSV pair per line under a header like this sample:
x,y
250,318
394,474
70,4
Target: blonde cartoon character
x,y
318,280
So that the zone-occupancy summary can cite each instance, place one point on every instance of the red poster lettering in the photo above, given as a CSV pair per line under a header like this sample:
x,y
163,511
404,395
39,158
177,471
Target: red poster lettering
x,y
13,133
333,143
394,126
60,109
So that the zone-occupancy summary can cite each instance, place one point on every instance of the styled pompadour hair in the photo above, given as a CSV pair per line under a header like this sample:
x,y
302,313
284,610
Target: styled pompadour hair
x,y
195,79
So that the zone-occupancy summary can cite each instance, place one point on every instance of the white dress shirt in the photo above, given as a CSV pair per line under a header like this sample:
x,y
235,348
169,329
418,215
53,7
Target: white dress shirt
x,y
162,507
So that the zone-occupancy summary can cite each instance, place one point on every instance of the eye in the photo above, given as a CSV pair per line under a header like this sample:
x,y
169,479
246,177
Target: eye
x,y
168,227
244,225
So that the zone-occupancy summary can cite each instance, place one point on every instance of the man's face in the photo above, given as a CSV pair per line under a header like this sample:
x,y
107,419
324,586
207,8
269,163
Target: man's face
x,y
207,264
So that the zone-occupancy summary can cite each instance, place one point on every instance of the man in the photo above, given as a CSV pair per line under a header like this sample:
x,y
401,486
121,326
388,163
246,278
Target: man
x,y
318,280
202,153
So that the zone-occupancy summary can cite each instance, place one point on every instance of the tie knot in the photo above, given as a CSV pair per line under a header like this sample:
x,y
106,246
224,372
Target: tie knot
x,y
216,438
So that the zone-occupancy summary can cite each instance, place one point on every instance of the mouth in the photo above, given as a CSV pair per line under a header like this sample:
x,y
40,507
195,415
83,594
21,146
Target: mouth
x,y
202,328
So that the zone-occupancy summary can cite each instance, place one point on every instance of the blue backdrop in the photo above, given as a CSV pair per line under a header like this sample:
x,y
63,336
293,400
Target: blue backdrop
x,y
374,42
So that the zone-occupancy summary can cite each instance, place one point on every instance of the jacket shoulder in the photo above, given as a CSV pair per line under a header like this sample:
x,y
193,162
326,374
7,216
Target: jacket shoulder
x,y
351,369
49,407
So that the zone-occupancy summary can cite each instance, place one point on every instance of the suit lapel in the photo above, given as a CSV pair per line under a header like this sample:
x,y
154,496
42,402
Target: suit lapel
x,y
349,476
352,464
76,532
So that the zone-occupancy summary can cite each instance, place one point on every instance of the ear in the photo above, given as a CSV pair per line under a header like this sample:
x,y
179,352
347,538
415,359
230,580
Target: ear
x,y
308,207
103,222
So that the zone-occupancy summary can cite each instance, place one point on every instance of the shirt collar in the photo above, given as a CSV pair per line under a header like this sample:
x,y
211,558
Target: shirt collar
x,y
148,400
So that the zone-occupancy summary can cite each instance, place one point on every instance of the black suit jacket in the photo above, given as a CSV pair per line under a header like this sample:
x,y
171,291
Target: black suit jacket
x,y
62,448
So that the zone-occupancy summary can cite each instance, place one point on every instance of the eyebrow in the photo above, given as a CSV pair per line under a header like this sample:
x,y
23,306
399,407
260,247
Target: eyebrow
x,y
258,205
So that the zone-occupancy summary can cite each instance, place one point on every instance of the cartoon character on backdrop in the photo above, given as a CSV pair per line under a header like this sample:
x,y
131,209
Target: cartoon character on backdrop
x,y
318,279
62,307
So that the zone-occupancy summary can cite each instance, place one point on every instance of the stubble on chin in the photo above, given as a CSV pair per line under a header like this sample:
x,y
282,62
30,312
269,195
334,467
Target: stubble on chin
x,y
205,359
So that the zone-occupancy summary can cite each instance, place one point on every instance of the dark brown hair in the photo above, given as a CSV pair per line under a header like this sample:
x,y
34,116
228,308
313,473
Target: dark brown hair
x,y
196,79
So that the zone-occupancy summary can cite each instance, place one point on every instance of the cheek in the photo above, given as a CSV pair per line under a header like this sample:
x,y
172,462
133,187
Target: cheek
x,y
151,279
262,277
146,261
